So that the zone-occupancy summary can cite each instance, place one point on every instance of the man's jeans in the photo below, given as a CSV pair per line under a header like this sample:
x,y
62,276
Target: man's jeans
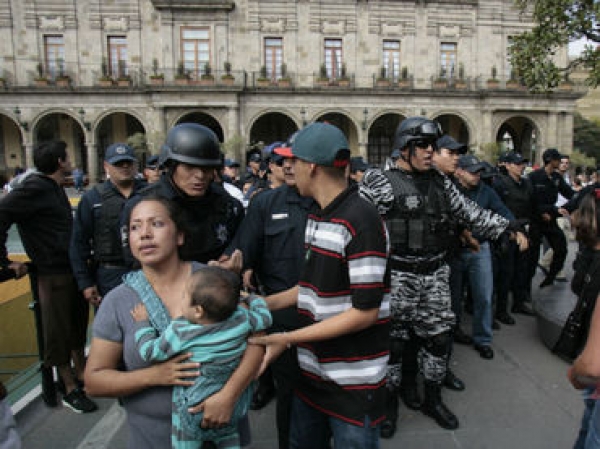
x,y
313,429
589,434
477,268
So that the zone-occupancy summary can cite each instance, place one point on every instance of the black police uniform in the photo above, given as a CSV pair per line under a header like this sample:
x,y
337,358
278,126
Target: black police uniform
x,y
546,189
210,221
95,251
271,238
513,274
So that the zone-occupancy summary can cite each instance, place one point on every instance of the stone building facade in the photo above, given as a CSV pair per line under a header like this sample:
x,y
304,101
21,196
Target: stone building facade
x,y
92,72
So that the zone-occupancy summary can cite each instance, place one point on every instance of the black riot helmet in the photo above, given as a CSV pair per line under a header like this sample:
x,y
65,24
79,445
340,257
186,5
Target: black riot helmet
x,y
414,129
191,144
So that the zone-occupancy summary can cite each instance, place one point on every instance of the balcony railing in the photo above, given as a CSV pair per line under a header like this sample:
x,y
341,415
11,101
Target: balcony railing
x,y
139,78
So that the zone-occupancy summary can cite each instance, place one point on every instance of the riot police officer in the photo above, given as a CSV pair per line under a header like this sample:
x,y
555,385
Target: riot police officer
x,y
190,156
418,203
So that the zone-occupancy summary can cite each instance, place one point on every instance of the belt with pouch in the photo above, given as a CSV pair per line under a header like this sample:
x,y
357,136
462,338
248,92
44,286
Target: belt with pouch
x,y
422,267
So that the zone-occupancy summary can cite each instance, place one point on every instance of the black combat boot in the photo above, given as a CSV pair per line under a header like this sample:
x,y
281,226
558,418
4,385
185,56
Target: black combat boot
x,y
435,408
388,426
410,396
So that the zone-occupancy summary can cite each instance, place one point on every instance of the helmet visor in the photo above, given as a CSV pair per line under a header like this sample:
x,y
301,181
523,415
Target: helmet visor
x,y
426,130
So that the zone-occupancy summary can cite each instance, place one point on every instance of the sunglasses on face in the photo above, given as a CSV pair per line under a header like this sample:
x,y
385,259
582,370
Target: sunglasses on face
x,y
423,144
122,164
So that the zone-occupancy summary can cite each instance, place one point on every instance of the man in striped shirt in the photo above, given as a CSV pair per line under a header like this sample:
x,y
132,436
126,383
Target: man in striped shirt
x,y
343,303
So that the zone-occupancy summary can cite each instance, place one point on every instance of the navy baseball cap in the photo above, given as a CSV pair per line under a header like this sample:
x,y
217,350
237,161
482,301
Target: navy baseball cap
x,y
231,163
118,152
152,161
470,163
514,158
255,157
449,143
358,164
322,144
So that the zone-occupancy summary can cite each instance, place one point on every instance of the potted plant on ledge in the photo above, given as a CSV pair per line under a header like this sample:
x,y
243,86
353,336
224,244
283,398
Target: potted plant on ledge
x,y
207,78
344,80
123,80
62,79
512,82
460,82
404,80
284,80
441,82
263,80
323,79
41,79
227,78
493,83
156,79
105,79
382,79
181,77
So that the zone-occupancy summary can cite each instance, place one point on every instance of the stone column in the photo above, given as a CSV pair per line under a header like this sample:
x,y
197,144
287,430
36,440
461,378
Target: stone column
x,y
28,154
486,133
92,162
552,132
362,145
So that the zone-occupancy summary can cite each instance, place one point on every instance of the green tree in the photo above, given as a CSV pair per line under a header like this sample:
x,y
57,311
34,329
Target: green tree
x,y
234,146
558,22
489,152
586,136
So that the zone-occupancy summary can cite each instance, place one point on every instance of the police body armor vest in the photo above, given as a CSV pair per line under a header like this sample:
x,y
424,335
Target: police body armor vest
x,y
107,241
208,224
419,224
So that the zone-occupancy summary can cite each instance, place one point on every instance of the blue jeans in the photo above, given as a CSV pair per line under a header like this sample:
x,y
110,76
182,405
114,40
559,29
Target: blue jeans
x,y
313,429
589,434
477,268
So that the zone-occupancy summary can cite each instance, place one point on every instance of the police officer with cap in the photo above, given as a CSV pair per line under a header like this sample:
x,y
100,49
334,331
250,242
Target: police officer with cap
x,y
419,204
272,241
95,251
152,169
547,184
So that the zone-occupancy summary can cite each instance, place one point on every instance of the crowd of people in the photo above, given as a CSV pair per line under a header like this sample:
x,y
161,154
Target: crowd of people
x,y
358,279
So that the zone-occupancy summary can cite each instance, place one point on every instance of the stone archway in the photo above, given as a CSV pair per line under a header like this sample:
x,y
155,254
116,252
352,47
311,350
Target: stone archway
x,y
12,152
205,119
120,127
343,122
271,127
381,137
455,126
519,134
61,126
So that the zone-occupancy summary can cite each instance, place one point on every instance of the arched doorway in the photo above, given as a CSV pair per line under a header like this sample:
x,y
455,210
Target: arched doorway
x,y
61,126
271,127
519,134
120,127
12,152
204,119
381,137
347,126
454,126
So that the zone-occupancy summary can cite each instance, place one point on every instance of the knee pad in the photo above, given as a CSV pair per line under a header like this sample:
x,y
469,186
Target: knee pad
x,y
438,344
